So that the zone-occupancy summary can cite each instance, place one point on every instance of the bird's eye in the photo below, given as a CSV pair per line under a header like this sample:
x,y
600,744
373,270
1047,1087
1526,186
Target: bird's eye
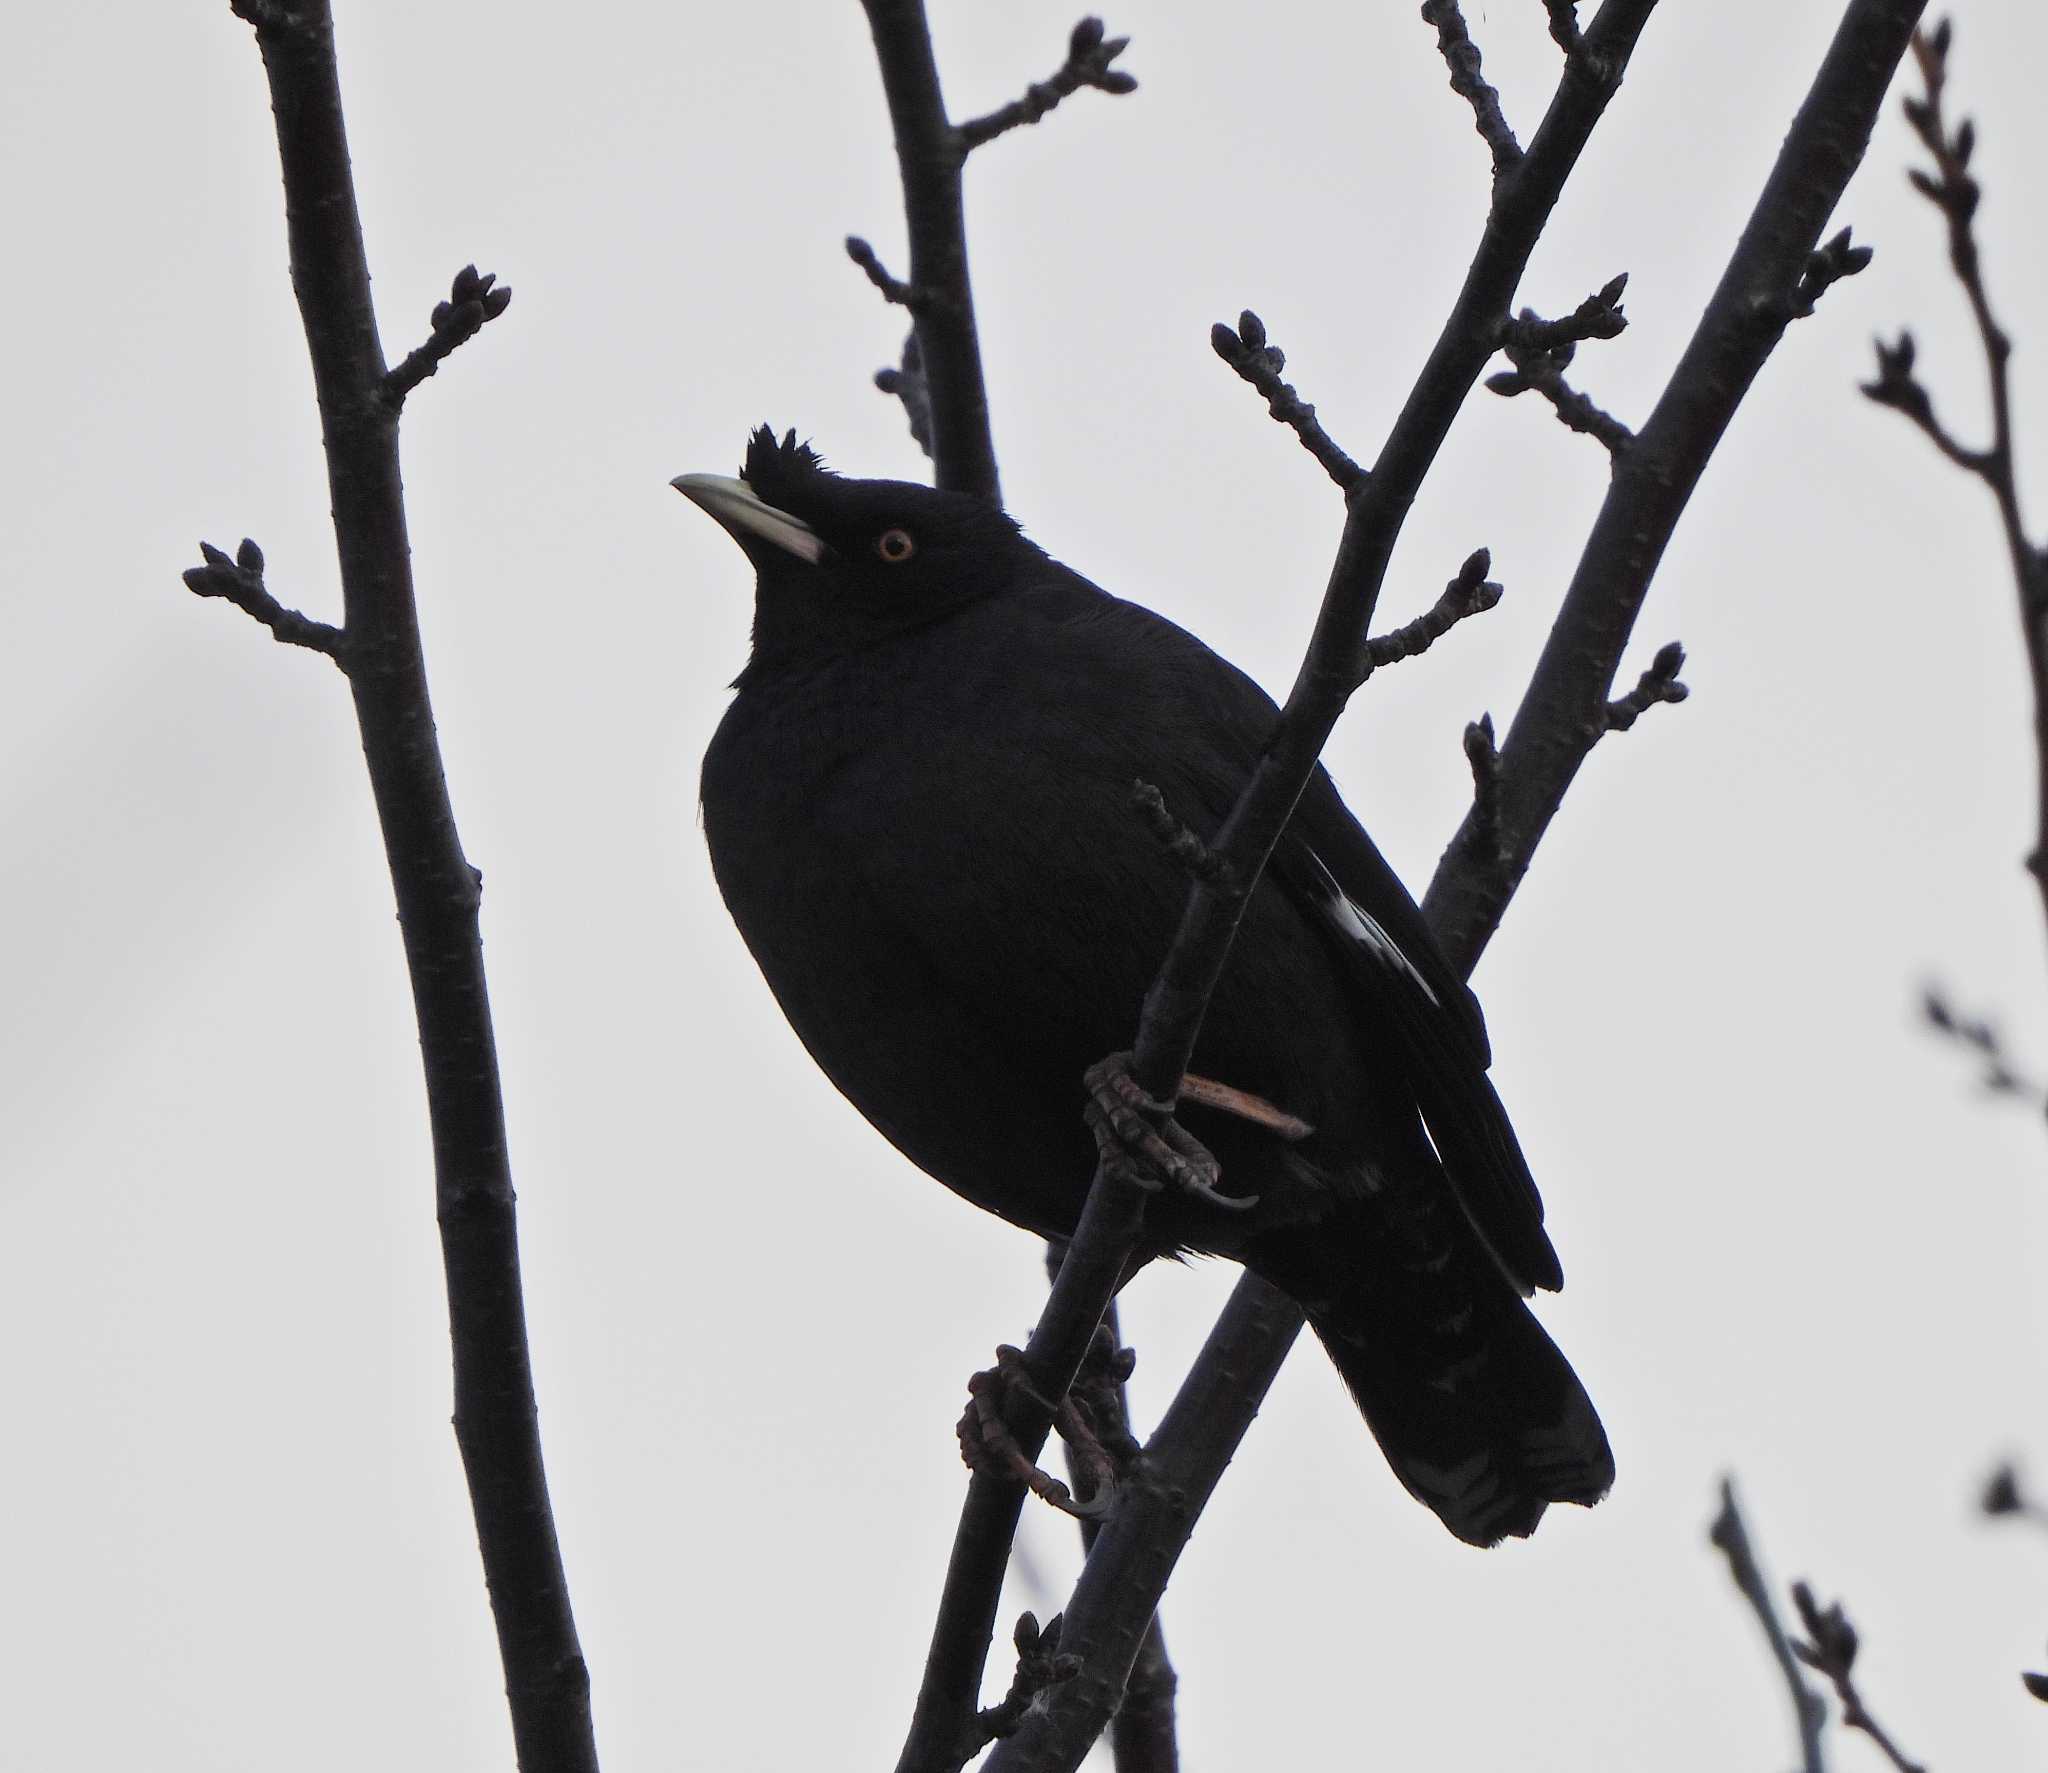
x,y
895,545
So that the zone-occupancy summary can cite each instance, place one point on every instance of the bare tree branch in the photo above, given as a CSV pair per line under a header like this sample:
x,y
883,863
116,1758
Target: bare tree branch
x,y
1564,711
1260,364
1830,1650
1658,684
1461,55
1599,316
1469,594
240,582
438,892
929,157
1089,56
1143,1735
1564,25
472,304
1126,1573
893,289
942,1723
2000,1074
1542,350
1134,1556
1954,191
952,392
1809,1710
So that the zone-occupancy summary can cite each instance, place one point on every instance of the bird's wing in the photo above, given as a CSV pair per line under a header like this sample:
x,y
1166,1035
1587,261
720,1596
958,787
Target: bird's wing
x,y
1327,861
1217,721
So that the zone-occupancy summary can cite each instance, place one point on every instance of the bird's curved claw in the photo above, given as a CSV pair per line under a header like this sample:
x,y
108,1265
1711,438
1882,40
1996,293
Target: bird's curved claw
x,y
986,1443
1129,1124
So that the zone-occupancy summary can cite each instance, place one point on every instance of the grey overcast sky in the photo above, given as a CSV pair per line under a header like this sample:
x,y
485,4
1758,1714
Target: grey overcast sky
x,y
1801,1246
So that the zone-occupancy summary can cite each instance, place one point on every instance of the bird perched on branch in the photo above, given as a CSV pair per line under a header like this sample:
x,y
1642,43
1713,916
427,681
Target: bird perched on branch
x,y
920,812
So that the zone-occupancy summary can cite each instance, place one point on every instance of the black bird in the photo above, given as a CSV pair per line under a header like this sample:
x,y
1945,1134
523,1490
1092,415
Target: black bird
x,y
919,808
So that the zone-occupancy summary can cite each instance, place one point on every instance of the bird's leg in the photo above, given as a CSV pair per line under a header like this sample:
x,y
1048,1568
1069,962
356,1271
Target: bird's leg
x,y
1208,1093
986,1442
1142,1140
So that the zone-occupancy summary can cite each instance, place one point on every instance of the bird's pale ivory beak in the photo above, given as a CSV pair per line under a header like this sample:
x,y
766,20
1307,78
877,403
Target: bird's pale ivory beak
x,y
744,513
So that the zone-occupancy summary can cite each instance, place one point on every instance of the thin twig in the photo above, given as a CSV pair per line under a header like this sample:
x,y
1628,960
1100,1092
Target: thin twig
x,y
1809,1710
1657,684
1178,840
893,289
2000,1076
1246,350
1461,55
1542,350
240,581
496,1420
1830,1649
1089,55
1470,593
1954,191
1599,316
1039,1666
1563,712
1575,411
474,300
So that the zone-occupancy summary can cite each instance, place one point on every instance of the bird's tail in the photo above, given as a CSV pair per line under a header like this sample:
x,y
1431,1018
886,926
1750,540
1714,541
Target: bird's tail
x,y
1479,1414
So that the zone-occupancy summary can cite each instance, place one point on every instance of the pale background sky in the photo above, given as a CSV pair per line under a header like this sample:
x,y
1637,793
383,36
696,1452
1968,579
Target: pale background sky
x,y
1800,1245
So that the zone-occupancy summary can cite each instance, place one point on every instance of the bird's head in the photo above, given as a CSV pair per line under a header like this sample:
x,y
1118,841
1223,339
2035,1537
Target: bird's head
x,y
840,563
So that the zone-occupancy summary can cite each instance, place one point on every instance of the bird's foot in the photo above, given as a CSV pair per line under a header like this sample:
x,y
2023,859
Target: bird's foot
x,y
1141,1139
1098,1443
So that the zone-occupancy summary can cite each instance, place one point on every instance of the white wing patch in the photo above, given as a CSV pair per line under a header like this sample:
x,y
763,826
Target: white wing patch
x,y
1362,927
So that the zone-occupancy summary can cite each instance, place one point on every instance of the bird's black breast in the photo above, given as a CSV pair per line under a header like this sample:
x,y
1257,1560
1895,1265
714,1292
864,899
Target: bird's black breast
x,y
931,850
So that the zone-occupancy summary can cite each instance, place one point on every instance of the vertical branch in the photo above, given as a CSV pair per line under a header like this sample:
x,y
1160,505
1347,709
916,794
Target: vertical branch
x,y
1955,192
1142,1734
930,155
437,891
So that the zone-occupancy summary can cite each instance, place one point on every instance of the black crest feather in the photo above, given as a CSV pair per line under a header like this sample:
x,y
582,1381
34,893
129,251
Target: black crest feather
x,y
778,467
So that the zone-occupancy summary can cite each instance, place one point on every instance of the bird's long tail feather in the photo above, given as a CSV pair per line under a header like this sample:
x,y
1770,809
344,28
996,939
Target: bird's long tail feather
x,y
1477,1411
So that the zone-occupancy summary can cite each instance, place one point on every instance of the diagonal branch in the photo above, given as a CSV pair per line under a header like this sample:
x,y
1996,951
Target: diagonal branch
x,y
1830,1649
1469,594
437,891
1140,1542
474,300
1730,1535
1260,364
1127,1572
